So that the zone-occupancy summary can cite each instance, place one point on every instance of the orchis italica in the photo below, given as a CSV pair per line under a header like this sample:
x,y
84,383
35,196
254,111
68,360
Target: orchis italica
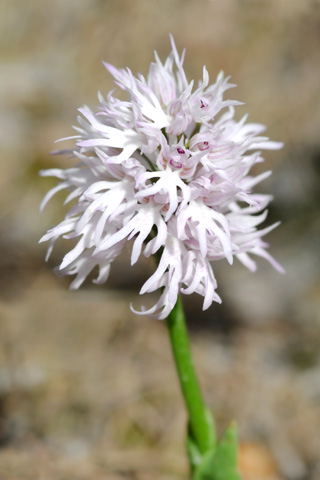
x,y
168,170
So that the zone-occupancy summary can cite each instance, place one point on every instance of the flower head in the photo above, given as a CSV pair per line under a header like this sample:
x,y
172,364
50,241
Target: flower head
x,y
167,169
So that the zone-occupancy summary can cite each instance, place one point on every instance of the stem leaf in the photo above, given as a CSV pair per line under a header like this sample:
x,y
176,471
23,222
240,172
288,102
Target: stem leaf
x,y
220,463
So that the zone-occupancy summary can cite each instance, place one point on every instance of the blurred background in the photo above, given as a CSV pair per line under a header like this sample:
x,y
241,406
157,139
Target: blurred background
x,y
87,389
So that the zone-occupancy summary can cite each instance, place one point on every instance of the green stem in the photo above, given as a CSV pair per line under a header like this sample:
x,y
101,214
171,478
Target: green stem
x,y
201,428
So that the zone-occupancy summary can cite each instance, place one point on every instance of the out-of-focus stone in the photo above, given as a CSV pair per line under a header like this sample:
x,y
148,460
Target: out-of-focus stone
x,y
255,462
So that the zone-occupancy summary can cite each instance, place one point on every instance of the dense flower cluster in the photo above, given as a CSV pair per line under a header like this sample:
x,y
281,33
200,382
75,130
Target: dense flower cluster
x,y
169,171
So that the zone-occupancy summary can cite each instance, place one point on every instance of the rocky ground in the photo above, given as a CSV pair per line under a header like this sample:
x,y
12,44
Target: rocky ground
x,y
88,390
